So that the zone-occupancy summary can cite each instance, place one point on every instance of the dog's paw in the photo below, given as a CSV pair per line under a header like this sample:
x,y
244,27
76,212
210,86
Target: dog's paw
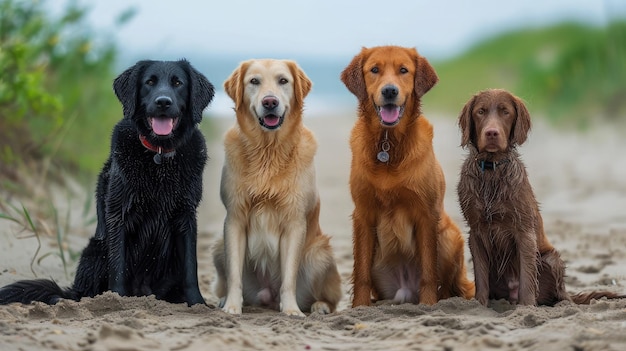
x,y
428,296
291,310
320,307
221,302
232,309
483,300
361,299
294,313
195,299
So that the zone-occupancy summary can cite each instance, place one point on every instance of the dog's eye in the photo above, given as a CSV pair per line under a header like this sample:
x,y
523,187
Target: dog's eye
x,y
177,83
283,81
480,112
404,70
150,82
254,81
505,112
374,70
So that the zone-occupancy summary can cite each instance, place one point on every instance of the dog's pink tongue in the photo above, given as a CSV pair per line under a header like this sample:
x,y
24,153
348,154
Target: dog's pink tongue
x,y
162,126
271,120
390,113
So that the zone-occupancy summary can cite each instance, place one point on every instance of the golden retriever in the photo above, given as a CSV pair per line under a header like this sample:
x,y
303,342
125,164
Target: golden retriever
x,y
274,252
406,248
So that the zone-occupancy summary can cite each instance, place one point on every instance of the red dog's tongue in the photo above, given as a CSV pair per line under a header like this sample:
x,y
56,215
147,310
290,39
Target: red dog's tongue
x,y
162,126
390,113
271,120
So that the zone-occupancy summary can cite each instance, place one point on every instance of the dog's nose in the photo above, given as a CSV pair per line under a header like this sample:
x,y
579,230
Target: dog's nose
x,y
390,91
270,102
163,102
491,133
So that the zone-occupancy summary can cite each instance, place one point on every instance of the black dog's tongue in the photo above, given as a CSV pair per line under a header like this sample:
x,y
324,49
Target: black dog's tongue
x,y
162,126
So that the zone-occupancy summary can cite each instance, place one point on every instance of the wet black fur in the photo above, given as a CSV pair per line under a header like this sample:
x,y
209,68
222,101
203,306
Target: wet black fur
x,y
145,240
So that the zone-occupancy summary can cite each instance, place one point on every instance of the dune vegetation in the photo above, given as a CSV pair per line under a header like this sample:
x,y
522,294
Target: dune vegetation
x,y
569,73
57,105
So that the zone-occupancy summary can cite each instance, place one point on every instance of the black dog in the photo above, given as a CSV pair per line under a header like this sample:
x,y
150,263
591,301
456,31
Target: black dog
x,y
147,194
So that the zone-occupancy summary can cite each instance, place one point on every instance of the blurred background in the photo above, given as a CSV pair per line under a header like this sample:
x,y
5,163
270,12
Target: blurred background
x,y
58,59
565,58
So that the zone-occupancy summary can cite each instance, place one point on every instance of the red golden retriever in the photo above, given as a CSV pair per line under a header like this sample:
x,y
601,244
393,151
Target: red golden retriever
x,y
512,256
406,248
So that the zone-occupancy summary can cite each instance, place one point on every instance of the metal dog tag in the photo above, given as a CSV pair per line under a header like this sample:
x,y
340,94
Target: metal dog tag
x,y
383,156
157,159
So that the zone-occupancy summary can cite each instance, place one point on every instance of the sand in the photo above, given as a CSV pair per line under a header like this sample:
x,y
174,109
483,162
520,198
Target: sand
x,y
578,178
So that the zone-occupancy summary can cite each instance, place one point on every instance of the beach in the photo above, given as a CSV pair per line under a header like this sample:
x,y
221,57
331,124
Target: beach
x,y
578,178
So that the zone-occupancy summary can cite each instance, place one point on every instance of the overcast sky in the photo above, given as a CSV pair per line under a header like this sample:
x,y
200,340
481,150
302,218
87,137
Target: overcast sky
x,y
328,27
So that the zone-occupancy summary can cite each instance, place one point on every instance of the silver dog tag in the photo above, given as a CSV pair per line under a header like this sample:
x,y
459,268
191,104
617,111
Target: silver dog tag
x,y
157,159
383,156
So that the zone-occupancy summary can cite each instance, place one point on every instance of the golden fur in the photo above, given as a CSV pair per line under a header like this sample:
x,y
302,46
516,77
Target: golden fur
x,y
274,252
406,248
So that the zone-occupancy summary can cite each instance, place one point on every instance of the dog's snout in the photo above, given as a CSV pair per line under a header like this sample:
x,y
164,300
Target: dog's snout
x,y
390,91
270,102
163,102
492,133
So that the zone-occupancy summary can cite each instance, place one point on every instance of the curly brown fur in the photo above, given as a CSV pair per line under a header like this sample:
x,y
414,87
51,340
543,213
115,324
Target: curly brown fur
x,y
512,256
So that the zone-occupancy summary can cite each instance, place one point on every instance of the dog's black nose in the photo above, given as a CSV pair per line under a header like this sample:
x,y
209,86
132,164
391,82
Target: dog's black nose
x,y
163,102
270,102
390,91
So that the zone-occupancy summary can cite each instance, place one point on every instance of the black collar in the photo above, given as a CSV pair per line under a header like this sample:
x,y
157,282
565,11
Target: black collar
x,y
490,165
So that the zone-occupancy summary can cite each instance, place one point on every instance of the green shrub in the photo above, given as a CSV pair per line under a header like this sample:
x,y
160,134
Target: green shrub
x,y
56,99
570,73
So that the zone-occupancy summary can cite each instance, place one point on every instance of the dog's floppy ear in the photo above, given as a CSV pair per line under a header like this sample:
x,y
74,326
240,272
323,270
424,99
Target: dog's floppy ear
x,y
352,76
425,75
522,123
201,91
126,85
466,124
233,85
302,84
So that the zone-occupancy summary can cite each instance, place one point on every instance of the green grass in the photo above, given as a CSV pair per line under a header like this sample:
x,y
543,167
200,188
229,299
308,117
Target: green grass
x,y
566,72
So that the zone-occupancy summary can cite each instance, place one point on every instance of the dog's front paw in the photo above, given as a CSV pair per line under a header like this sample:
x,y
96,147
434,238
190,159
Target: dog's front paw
x,y
527,301
232,309
292,310
320,307
195,299
428,297
482,296
232,302
356,301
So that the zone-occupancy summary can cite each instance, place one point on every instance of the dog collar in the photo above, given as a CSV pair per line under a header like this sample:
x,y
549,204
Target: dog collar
x,y
490,165
160,152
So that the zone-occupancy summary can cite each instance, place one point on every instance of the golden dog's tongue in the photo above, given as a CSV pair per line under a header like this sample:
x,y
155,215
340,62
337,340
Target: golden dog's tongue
x,y
271,120
389,113
162,126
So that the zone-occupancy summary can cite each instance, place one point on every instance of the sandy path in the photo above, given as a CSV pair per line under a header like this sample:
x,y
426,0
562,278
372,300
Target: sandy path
x,y
579,179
